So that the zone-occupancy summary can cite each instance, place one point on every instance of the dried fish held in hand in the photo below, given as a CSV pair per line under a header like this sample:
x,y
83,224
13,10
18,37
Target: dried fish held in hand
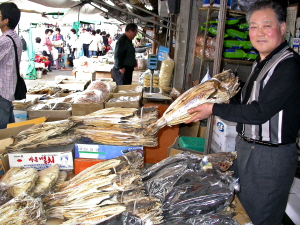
x,y
219,89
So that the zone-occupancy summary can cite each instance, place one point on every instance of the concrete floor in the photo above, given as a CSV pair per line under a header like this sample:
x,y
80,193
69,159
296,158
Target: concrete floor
x,y
50,77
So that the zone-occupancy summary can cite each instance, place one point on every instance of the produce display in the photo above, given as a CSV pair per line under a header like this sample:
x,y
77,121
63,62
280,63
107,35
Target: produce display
x,y
219,89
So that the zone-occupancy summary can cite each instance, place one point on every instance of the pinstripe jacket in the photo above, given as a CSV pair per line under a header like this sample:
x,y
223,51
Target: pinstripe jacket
x,y
270,108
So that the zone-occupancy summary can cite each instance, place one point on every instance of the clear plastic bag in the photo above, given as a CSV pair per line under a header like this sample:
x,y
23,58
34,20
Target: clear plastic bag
x,y
100,86
209,52
90,96
166,71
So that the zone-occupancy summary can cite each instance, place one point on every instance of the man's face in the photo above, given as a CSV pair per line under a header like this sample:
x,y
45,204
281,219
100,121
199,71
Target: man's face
x,y
131,34
3,23
265,32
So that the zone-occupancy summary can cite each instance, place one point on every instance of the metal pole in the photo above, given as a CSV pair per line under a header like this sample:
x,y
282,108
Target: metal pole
x,y
216,67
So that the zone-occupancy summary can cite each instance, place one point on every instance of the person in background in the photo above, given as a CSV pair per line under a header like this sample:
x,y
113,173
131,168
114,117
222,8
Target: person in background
x,y
40,49
72,44
137,42
109,41
85,39
58,38
100,41
124,56
105,42
9,18
47,42
94,45
268,117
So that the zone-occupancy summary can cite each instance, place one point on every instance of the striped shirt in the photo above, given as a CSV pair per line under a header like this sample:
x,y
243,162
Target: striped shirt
x,y
270,109
8,73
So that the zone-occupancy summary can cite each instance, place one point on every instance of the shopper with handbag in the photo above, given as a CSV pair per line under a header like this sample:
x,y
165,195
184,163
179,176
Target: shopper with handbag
x,y
10,47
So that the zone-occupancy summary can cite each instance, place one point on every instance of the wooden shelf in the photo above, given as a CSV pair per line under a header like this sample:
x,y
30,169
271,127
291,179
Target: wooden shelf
x,y
230,11
229,61
237,61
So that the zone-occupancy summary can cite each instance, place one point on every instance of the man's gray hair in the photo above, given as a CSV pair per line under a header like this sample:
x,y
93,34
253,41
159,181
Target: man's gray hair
x,y
280,12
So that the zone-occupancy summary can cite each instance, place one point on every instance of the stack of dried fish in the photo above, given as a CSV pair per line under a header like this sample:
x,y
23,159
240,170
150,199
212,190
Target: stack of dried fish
x,y
192,186
21,210
46,134
219,89
18,181
103,191
118,126
28,181
43,88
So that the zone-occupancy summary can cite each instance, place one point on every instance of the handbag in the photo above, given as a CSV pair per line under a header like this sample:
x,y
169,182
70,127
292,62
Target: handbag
x,y
21,89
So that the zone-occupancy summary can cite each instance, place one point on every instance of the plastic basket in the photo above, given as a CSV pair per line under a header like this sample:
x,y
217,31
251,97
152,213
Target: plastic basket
x,y
192,143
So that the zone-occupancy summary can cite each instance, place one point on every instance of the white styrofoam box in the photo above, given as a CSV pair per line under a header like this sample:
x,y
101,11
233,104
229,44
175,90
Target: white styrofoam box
x,y
43,158
293,206
224,127
223,143
20,115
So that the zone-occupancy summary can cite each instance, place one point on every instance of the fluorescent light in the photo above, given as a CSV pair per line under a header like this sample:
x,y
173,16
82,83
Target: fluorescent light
x,y
109,2
99,7
149,6
128,6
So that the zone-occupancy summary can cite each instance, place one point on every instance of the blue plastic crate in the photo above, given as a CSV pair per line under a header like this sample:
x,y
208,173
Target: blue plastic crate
x,y
192,143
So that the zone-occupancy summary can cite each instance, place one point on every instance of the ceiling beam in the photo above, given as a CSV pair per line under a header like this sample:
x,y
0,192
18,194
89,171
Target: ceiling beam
x,y
147,11
133,14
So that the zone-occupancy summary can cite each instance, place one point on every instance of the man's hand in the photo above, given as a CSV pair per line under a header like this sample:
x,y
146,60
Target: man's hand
x,y
122,70
202,112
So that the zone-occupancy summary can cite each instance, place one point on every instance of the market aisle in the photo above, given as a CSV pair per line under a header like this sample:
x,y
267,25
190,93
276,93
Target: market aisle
x,y
50,77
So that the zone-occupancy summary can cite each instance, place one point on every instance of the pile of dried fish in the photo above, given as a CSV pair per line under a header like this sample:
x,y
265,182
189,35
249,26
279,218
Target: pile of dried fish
x,y
43,88
18,181
46,134
191,186
118,126
103,191
22,209
219,89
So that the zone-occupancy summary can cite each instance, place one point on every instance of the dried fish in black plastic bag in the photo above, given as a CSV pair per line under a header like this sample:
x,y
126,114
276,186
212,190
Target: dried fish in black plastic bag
x,y
124,218
210,219
197,193
160,178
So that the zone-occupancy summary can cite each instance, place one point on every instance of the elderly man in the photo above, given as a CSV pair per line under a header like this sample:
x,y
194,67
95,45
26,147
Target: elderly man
x,y
268,117
124,56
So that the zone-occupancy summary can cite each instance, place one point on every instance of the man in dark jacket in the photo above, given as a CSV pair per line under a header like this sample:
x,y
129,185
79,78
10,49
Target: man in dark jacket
x,y
268,117
124,56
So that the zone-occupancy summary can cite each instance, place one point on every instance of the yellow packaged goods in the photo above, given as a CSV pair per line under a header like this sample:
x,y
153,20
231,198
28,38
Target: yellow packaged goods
x,y
166,71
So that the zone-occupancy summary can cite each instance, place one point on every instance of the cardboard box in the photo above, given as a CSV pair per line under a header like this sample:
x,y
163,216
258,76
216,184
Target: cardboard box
x,y
190,130
224,127
85,76
6,139
223,143
103,74
84,109
51,115
175,149
202,131
82,164
128,89
30,122
125,104
20,115
98,151
74,84
43,158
